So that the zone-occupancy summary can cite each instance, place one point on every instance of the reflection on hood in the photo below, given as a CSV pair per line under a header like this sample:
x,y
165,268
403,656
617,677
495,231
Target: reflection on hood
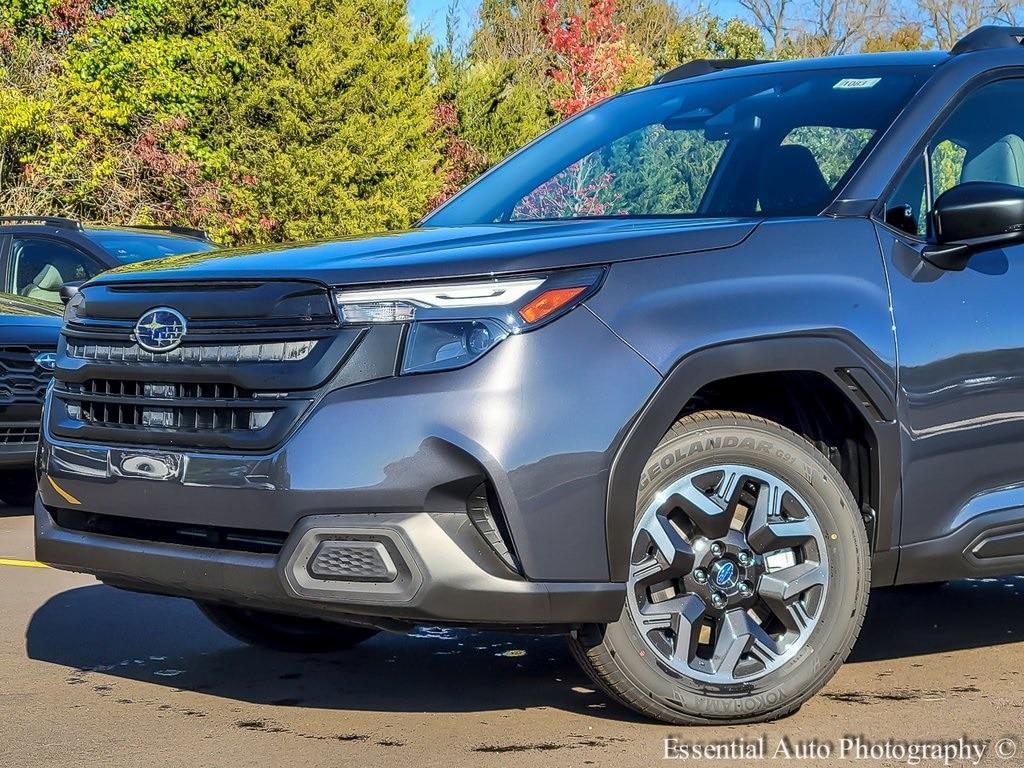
x,y
22,306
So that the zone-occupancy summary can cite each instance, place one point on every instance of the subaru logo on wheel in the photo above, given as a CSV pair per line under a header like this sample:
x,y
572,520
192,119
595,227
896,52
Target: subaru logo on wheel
x,y
725,573
160,329
46,360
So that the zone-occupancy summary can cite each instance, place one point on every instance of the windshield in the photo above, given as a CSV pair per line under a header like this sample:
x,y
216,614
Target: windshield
x,y
762,145
130,247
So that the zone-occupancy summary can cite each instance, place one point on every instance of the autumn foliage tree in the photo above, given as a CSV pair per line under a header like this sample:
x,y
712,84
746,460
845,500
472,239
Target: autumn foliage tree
x,y
589,54
266,120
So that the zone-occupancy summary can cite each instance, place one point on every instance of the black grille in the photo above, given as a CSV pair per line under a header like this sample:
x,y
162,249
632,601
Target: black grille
x,y
204,406
19,435
206,536
21,380
256,357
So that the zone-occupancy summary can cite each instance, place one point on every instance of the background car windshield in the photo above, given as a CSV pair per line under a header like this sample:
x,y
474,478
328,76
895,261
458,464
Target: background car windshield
x,y
130,247
776,144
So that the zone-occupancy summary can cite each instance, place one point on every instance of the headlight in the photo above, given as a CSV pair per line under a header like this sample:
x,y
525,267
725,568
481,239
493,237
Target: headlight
x,y
73,308
455,323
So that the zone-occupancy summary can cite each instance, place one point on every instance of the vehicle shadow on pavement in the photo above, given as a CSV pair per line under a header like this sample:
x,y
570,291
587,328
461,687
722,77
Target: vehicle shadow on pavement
x,y
6,511
924,619
168,642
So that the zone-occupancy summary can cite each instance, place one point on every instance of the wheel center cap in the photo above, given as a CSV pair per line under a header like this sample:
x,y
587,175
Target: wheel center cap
x,y
724,574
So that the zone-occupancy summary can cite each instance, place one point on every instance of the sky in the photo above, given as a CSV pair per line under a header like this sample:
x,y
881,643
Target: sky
x,y
431,13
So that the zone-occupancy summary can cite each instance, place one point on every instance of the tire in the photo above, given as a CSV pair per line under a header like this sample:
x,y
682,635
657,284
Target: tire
x,y
18,488
808,597
280,632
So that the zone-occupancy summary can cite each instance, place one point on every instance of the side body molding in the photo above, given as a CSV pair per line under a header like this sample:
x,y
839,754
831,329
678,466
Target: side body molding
x,y
830,353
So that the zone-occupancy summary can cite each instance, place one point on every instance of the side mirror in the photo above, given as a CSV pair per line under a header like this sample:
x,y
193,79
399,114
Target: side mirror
x,y
973,216
68,291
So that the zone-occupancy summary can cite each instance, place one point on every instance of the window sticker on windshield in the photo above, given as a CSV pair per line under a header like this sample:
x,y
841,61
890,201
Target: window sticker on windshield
x,y
858,82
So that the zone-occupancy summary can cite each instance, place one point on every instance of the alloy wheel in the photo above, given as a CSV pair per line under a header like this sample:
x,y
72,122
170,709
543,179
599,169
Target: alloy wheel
x,y
728,574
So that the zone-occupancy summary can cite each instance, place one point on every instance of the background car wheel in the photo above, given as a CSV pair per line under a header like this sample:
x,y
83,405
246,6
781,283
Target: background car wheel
x,y
279,632
748,582
18,488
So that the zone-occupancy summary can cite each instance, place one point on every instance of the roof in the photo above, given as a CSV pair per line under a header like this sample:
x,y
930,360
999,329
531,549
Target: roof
x,y
180,233
845,62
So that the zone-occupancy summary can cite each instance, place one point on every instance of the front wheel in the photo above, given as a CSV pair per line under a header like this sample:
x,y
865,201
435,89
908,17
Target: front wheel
x,y
279,632
748,580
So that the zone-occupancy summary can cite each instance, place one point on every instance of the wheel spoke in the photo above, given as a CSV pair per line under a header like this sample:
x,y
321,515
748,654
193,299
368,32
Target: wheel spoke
x,y
737,635
767,532
711,515
780,591
683,616
676,553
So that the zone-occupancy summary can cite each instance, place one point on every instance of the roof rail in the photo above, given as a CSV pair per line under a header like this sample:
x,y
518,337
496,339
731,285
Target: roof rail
x,y
989,37
198,234
699,67
46,221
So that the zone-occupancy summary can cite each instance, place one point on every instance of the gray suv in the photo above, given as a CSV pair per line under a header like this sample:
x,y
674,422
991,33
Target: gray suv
x,y
683,378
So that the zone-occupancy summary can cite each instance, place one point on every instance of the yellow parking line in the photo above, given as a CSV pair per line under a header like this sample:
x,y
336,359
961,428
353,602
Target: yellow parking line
x,y
22,563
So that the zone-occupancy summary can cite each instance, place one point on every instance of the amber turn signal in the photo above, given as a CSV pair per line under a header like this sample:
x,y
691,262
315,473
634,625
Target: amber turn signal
x,y
548,302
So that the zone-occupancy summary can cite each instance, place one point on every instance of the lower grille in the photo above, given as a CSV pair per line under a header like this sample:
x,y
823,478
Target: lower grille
x,y
352,560
196,406
19,435
206,536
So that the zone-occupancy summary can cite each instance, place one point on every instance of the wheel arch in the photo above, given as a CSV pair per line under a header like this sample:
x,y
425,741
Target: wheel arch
x,y
840,361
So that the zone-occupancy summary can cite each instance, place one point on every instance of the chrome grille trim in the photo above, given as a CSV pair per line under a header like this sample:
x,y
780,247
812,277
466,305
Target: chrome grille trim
x,y
269,352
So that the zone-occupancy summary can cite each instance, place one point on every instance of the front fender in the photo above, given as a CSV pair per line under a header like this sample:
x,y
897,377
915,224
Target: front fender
x,y
827,353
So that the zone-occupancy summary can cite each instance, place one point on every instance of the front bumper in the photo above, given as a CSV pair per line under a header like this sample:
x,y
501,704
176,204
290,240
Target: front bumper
x,y
18,441
538,420
19,456
445,577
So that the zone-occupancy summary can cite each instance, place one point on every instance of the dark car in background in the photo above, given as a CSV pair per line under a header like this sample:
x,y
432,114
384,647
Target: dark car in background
x,y
28,343
40,254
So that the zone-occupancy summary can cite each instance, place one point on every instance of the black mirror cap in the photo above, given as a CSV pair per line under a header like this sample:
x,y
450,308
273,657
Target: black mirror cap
x,y
972,216
68,291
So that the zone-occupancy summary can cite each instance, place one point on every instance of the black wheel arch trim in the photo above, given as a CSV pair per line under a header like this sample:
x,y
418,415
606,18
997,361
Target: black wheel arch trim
x,y
828,353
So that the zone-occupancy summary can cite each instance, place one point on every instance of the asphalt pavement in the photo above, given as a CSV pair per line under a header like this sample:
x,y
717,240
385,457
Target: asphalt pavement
x,y
94,676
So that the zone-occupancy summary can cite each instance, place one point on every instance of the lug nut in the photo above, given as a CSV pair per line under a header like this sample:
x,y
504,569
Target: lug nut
x,y
717,549
745,558
718,600
700,576
745,589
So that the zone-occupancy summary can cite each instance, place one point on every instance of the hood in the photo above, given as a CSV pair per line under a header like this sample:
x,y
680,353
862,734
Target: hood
x,y
22,311
432,252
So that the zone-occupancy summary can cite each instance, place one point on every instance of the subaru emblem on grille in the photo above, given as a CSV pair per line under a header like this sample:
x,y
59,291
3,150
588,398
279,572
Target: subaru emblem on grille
x,y
46,360
160,329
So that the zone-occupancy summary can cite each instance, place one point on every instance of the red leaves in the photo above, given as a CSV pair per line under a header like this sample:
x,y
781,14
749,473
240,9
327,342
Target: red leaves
x,y
580,190
589,54
68,16
460,160
173,174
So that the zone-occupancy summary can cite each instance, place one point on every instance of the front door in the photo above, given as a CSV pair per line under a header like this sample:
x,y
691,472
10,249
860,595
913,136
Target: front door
x,y
960,335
